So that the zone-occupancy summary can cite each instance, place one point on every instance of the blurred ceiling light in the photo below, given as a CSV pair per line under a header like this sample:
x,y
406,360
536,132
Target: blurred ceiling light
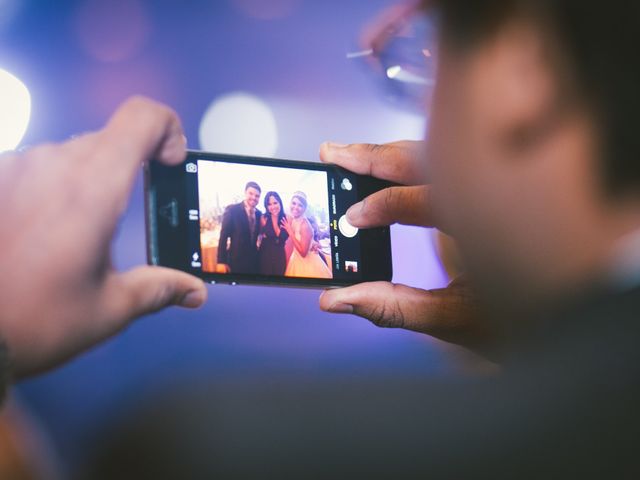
x,y
15,110
405,76
266,10
239,123
112,31
392,72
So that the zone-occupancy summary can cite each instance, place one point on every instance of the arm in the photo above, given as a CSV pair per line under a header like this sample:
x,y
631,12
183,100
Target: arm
x,y
225,234
5,370
306,233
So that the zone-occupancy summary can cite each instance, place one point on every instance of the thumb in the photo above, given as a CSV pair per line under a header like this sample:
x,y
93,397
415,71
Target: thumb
x,y
404,205
148,289
450,314
384,304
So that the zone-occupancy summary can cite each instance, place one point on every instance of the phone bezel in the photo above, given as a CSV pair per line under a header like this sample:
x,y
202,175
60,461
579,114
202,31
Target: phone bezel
x,y
163,185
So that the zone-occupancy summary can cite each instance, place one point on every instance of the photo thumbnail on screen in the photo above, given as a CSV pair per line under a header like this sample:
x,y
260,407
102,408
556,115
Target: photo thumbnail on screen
x,y
264,220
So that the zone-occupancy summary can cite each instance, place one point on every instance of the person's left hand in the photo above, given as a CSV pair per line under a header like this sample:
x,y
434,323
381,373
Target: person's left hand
x,y
59,294
452,314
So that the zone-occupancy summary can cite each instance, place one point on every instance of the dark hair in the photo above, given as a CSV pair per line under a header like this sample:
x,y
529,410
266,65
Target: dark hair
x,y
275,195
598,40
252,185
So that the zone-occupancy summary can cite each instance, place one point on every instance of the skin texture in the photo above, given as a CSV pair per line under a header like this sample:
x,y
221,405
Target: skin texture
x,y
63,295
511,172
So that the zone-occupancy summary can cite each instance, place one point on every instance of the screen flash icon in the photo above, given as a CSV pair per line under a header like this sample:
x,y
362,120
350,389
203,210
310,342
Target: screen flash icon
x,y
196,260
346,185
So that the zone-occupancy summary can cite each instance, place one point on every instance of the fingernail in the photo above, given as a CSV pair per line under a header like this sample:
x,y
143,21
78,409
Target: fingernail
x,y
353,211
192,299
336,145
341,308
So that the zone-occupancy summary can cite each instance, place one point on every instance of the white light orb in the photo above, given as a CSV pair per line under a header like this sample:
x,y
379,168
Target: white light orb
x,y
15,110
239,123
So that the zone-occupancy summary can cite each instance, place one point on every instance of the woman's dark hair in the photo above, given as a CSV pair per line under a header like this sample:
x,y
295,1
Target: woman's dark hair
x,y
275,195
598,41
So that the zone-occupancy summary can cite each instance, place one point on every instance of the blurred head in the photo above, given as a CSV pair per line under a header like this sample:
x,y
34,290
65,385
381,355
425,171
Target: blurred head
x,y
298,204
252,193
273,204
533,152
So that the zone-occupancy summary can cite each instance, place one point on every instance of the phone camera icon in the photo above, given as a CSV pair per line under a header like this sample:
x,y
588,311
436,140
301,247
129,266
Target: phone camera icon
x,y
346,185
191,168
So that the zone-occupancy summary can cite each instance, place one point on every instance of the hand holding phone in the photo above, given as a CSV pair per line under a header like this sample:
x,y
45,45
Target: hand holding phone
x,y
451,314
59,293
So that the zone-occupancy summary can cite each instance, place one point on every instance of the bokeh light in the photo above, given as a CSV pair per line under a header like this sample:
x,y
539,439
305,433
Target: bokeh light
x,y
15,110
239,123
112,31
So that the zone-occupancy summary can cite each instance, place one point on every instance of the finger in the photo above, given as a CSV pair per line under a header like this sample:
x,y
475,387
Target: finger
x,y
399,162
140,130
445,313
375,34
404,205
145,290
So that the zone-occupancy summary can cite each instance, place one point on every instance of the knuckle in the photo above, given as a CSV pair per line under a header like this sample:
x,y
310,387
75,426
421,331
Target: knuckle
x,y
391,202
388,313
374,148
44,152
138,102
390,197
147,109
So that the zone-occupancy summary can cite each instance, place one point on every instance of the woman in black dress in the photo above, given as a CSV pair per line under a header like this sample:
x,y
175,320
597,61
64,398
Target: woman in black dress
x,y
273,260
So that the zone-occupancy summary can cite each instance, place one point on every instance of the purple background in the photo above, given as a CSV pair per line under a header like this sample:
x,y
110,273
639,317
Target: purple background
x,y
186,54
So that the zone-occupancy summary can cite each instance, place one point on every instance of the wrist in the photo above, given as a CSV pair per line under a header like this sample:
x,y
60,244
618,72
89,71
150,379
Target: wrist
x,y
5,370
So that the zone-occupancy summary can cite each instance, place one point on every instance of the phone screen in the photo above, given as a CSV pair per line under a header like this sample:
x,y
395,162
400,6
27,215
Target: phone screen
x,y
271,219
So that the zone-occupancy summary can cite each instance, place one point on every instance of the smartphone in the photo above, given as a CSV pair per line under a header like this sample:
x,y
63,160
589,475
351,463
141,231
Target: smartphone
x,y
247,220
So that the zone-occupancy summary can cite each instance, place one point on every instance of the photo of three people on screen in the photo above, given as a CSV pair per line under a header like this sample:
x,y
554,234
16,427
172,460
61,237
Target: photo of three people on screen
x,y
248,236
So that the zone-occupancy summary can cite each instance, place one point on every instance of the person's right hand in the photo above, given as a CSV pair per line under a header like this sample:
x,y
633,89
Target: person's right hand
x,y
452,313
59,293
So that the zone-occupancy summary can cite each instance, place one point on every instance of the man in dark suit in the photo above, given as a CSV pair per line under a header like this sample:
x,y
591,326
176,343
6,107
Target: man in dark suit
x,y
237,249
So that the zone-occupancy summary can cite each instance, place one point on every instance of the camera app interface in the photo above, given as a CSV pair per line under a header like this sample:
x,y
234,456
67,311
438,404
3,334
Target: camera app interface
x,y
272,221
